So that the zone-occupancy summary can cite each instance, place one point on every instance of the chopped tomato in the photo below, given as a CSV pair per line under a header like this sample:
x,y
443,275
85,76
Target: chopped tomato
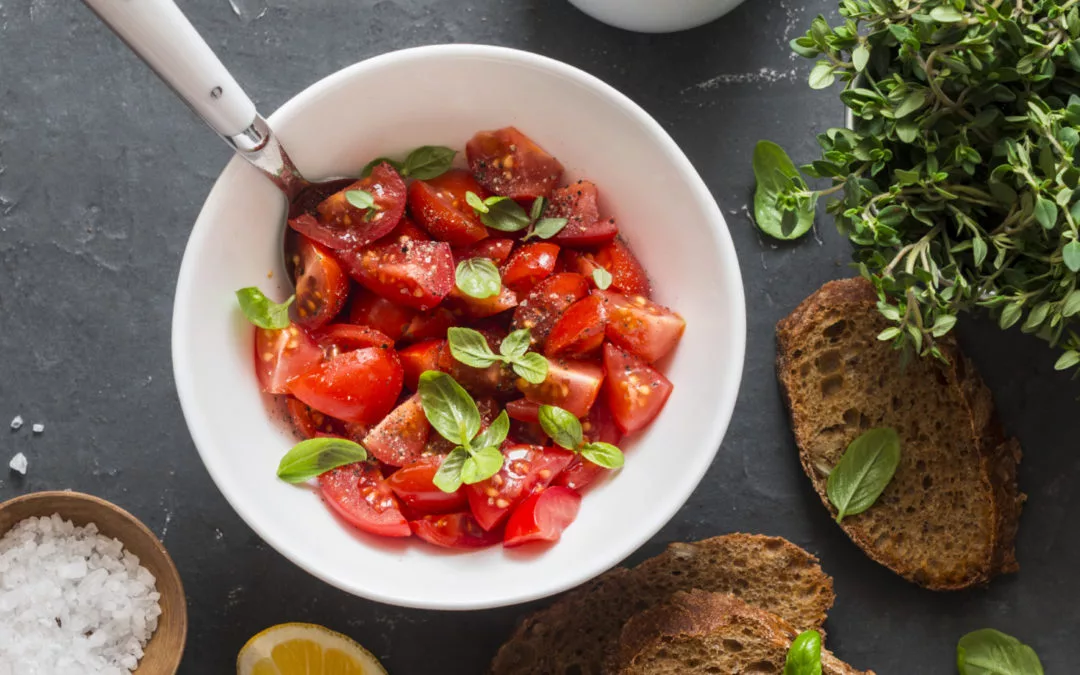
x,y
344,337
454,530
413,273
525,468
311,423
529,265
571,385
598,426
509,163
322,287
439,206
430,325
400,437
523,410
480,308
547,302
579,331
281,355
359,494
428,355
341,225
406,230
641,326
358,386
584,227
627,274
413,485
368,309
636,391
542,516
495,250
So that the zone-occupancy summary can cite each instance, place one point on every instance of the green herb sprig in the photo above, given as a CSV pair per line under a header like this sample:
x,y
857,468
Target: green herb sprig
x,y
506,215
423,163
804,655
316,456
478,278
471,348
991,652
863,472
262,311
565,430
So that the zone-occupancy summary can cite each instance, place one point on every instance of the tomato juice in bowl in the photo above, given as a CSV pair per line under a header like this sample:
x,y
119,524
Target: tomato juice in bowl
x,y
646,183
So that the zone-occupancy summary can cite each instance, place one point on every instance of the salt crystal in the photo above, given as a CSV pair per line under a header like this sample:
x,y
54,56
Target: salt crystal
x,y
17,422
38,427
18,463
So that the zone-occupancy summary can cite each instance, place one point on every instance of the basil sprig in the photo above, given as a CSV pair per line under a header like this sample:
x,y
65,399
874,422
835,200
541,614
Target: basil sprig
x,y
263,312
565,430
471,348
423,163
804,655
478,278
602,278
362,199
316,456
991,652
506,215
454,415
864,471
783,205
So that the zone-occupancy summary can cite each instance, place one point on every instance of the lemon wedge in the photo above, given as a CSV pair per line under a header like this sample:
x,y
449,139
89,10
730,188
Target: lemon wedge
x,y
305,649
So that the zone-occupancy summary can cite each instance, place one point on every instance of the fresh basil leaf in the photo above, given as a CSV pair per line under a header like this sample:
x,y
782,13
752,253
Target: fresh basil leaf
x,y
477,204
316,456
773,170
504,215
864,471
495,434
602,278
991,652
470,347
448,477
561,426
603,454
478,278
261,311
531,367
516,343
483,464
448,407
361,199
370,166
537,209
1071,255
804,655
428,161
546,228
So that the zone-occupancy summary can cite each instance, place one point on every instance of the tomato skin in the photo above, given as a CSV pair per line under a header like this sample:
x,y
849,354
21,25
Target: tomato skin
x,y
627,274
359,494
636,391
322,287
344,337
399,438
495,250
358,386
422,356
310,423
551,297
584,227
439,206
430,325
341,225
526,468
571,385
454,530
579,331
542,516
640,326
509,163
523,410
368,309
281,355
417,274
413,485
481,308
529,265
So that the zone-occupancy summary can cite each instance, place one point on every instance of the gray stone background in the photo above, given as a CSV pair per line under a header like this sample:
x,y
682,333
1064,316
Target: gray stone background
x,y
103,172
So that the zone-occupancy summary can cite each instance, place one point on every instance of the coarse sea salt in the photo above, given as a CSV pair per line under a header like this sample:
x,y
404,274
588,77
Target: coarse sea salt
x,y
18,463
72,601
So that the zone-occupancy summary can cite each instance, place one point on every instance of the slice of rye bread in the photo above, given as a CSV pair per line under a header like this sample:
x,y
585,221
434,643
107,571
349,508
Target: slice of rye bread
x,y
710,633
948,519
580,631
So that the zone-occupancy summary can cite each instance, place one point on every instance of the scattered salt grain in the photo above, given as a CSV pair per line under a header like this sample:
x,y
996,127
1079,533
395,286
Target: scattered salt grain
x,y
72,601
18,463
17,422
38,428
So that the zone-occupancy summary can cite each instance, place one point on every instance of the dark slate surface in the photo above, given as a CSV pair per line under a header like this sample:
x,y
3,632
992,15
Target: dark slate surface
x,y
104,171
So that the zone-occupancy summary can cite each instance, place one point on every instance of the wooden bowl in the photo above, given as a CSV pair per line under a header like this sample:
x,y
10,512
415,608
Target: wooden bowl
x,y
166,645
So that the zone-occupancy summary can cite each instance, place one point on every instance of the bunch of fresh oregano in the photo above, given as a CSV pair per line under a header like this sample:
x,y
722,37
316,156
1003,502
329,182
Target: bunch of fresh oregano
x,y
958,179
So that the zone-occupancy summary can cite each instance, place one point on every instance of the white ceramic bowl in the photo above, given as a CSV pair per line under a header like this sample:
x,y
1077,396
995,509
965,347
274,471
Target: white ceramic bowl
x,y
656,16
386,106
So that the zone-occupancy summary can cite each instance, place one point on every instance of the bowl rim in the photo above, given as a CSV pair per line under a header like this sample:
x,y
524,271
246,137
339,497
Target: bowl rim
x,y
726,255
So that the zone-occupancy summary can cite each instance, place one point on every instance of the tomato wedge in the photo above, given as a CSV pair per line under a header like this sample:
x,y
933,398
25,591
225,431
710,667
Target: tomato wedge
x,y
413,485
523,410
640,326
344,337
281,355
571,385
481,308
359,494
579,332
400,437
311,423
439,206
529,265
427,355
627,274
368,309
454,530
551,297
636,391
525,468
509,163
495,250
542,516
358,386
430,325
417,274
341,225
584,227
322,287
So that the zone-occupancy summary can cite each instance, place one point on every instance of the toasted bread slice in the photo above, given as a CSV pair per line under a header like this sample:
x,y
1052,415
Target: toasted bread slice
x,y
710,633
580,631
948,519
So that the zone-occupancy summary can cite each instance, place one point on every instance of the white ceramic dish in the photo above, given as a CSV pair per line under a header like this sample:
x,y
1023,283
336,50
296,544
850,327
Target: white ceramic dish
x,y
656,16
386,106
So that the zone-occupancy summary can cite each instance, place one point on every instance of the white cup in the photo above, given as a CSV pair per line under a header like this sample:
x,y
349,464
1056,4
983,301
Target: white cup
x,y
656,16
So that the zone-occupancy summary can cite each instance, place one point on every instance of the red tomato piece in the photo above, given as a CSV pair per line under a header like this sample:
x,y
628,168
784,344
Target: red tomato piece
x,y
542,516
480,308
413,485
641,326
339,338
341,225
495,250
627,274
322,287
547,302
358,386
579,331
523,410
311,423
281,355
368,309
454,530
529,265
571,385
584,227
636,391
509,163
428,355
439,206
417,274
400,437
359,494
526,467
430,325
406,230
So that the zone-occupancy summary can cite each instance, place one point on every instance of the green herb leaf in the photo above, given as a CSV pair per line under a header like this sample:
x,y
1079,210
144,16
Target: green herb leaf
x,y
1046,212
532,367
942,325
448,478
864,471
470,347
316,456
1071,306
370,166
503,214
261,311
860,57
1010,315
890,333
495,434
478,278
822,77
1071,256
483,464
603,454
804,655
448,407
361,199
946,14
602,278
776,177
546,228
428,161
991,652
1067,360
561,426
477,204
516,343
537,209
